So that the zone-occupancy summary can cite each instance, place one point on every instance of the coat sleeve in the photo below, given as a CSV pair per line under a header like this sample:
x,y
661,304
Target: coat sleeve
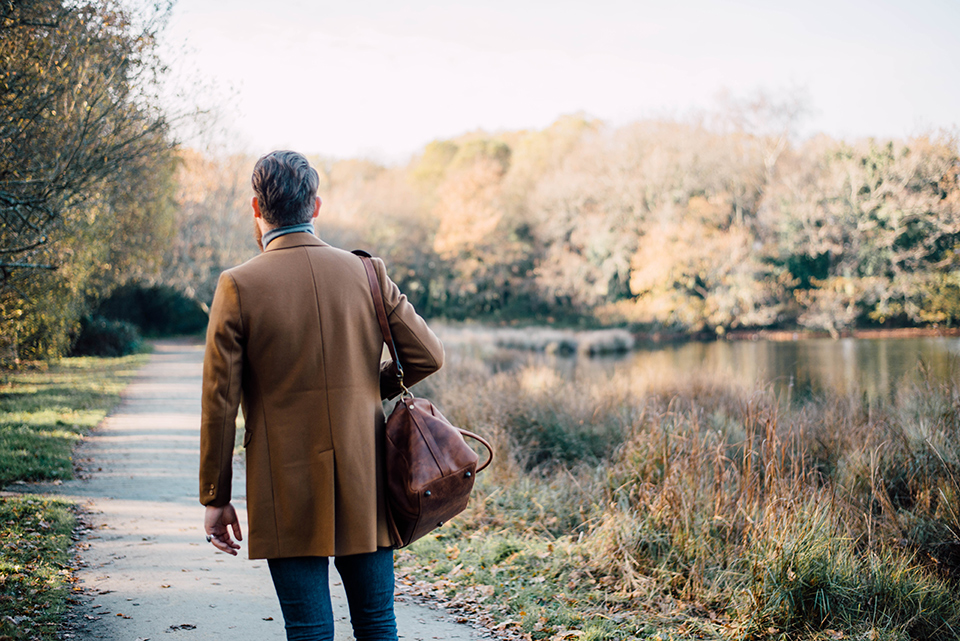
x,y
419,349
222,374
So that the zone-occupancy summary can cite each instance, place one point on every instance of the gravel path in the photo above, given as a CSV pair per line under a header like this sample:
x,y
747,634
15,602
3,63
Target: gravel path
x,y
146,571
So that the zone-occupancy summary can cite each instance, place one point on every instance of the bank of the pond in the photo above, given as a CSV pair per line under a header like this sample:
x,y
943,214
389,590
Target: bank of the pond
x,y
44,410
697,509
618,340
865,333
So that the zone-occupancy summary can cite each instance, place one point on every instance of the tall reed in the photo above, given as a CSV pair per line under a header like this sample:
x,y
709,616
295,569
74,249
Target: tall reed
x,y
718,507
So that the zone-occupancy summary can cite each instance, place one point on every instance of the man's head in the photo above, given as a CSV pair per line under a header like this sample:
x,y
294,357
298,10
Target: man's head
x,y
286,188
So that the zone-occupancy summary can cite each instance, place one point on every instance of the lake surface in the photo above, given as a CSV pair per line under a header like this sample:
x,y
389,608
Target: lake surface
x,y
875,368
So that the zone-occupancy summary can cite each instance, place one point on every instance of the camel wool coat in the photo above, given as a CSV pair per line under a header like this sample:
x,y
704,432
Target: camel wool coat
x,y
293,336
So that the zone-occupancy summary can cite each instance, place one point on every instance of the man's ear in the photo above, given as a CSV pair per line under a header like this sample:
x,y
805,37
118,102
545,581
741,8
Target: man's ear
x,y
256,208
316,207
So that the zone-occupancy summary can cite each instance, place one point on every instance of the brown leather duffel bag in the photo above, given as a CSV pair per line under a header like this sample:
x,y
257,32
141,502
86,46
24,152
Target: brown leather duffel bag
x,y
430,470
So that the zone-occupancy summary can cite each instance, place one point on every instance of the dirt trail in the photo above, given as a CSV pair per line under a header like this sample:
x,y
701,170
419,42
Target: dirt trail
x,y
147,571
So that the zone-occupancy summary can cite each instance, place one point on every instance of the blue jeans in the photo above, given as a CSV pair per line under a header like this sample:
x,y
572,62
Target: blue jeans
x,y
303,587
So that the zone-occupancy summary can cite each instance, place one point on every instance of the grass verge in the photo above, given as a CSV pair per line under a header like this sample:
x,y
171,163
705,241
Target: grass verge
x,y
44,411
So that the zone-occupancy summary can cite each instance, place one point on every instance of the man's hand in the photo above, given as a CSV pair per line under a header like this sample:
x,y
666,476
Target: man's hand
x,y
215,523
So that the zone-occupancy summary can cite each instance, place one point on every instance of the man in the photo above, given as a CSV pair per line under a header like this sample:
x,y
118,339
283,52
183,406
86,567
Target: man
x,y
294,336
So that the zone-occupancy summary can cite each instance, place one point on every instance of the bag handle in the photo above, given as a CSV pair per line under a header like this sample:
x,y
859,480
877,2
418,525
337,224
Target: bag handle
x,y
374,283
482,442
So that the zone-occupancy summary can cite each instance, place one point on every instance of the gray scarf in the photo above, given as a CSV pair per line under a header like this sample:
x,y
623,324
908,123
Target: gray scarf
x,y
283,231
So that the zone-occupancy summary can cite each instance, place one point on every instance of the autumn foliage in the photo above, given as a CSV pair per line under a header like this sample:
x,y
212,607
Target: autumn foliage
x,y
694,226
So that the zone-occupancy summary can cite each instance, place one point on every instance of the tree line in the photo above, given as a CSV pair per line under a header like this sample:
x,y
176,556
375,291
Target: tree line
x,y
698,226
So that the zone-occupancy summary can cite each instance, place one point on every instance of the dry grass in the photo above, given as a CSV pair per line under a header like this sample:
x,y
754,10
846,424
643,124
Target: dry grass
x,y
690,509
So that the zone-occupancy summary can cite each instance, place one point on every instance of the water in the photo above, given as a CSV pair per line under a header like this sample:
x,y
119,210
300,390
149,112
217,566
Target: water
x,y
874,368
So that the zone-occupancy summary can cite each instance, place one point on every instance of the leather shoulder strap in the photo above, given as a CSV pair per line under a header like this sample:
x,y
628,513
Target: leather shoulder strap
x,y
374,283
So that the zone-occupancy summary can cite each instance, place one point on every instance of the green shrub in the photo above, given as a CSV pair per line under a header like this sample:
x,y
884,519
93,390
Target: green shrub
x,y
102,337
158,310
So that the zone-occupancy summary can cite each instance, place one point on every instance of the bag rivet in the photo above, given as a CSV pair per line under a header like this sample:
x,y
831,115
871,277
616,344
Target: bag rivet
x,y
427,493
468,474
440,524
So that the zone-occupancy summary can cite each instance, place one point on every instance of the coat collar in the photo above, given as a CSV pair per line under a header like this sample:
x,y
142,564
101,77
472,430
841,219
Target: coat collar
x,y
299,239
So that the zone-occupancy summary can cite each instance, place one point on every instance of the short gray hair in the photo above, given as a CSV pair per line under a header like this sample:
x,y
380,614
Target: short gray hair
x,y
286,186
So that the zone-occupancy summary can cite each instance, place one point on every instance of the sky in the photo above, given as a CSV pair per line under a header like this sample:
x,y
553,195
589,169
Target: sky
x,y
382,78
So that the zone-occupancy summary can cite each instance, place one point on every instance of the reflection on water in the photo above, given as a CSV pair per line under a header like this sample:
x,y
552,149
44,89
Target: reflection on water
x,y
871,367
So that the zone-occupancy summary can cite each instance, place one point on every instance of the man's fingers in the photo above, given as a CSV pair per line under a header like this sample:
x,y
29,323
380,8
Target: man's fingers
x,y
225,544
224,548
236,530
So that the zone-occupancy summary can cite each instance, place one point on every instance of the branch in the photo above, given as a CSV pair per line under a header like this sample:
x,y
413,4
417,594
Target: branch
x,y
17,250
29,23
25,266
